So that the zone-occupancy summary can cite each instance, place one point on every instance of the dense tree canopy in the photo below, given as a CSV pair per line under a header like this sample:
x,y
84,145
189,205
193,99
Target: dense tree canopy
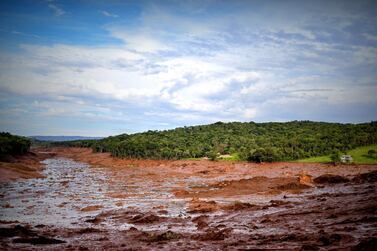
x,y
13,145
259,142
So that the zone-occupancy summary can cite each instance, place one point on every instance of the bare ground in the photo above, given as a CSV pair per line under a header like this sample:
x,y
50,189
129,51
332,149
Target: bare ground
x,y
185,205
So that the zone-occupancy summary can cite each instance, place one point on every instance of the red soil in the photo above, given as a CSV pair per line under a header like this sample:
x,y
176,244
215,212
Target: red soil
x,y
226,206
23,167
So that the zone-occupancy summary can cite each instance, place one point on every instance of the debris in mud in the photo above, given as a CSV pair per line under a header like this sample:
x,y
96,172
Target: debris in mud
x,y
200,206
40,240
277,203
91,208
88,230
292,186
330,179
17,230
238,205
214,235
157,237
119,204
201,222
147,218
366,177
94,220
26,235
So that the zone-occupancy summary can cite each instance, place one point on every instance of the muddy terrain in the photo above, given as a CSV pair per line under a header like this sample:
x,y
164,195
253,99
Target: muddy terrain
x,y
85,201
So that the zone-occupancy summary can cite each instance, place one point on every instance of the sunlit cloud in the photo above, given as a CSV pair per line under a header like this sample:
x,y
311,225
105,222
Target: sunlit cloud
x,y
168,66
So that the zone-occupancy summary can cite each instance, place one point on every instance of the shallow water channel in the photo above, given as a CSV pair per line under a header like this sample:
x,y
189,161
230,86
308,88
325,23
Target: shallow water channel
x,y
60,199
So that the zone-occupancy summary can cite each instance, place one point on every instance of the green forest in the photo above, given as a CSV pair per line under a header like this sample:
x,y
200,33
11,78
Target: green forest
x,y
13,145
257,142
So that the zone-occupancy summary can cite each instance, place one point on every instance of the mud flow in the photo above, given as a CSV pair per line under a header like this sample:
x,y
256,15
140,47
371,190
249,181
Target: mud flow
x,y
108,204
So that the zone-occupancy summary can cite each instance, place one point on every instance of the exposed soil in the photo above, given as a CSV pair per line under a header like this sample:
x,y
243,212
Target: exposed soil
x,y
120,204
23,167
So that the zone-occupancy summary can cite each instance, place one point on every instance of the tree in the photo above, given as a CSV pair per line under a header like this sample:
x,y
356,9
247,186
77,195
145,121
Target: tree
x,y
212,155
335,157
257,156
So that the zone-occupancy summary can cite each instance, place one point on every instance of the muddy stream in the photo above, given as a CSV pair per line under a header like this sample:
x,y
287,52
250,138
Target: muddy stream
x,y
77,206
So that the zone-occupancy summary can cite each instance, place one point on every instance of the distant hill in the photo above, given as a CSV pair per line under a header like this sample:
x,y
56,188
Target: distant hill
x,y
62,138
249,141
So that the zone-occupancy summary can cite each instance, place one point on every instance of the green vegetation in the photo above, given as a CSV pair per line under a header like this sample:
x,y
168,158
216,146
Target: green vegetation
x,y
360,155
251,141
335,157
13,145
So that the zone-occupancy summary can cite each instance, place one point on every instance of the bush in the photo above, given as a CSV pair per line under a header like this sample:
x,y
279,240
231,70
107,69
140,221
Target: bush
x,y
372,152
335,157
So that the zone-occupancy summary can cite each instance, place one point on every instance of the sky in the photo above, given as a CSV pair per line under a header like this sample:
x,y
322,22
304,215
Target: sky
x,y
99,68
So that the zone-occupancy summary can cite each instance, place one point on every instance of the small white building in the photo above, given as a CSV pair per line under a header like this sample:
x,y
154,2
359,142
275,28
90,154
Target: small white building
x,y
346,159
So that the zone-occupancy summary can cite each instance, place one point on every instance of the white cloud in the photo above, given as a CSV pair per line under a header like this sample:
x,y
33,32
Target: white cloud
x,y
190,72
57,10
108,14
140,41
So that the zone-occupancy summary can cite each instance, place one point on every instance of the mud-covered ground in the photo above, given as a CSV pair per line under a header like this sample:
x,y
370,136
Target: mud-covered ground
x,y
86,201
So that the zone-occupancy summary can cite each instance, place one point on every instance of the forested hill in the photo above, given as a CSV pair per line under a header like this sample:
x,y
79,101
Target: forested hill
x,y
250,141
13,145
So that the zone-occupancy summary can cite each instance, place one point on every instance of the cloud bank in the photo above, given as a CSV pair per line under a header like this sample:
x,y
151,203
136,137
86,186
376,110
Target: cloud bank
x,y
194,64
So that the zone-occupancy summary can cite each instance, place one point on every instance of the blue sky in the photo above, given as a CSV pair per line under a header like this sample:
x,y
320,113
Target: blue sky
x,y
98,68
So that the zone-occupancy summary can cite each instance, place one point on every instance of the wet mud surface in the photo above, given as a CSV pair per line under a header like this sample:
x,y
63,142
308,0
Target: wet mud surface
x,y
92,201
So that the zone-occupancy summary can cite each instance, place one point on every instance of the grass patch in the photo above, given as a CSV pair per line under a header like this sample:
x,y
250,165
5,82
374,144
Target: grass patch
x,y
233,157
359,155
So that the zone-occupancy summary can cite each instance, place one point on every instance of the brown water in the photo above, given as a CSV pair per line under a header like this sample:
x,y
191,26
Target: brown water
x,y
107,203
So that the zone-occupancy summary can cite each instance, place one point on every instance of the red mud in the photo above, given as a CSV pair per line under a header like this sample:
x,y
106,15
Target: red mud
x,y
206,205
23,167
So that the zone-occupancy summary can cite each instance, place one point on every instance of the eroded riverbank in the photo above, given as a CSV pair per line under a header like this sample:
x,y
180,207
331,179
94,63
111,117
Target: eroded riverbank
x,y
134,204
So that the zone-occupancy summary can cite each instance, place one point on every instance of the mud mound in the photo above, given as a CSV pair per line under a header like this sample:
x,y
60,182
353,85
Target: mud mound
x,y
144,218
201,222
199,206
214,235
307,180
259,184
366,177
238,205
292,186
330,179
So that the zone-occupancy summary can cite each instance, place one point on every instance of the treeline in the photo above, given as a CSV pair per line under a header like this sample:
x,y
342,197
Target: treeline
x,y
249,141
13,145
